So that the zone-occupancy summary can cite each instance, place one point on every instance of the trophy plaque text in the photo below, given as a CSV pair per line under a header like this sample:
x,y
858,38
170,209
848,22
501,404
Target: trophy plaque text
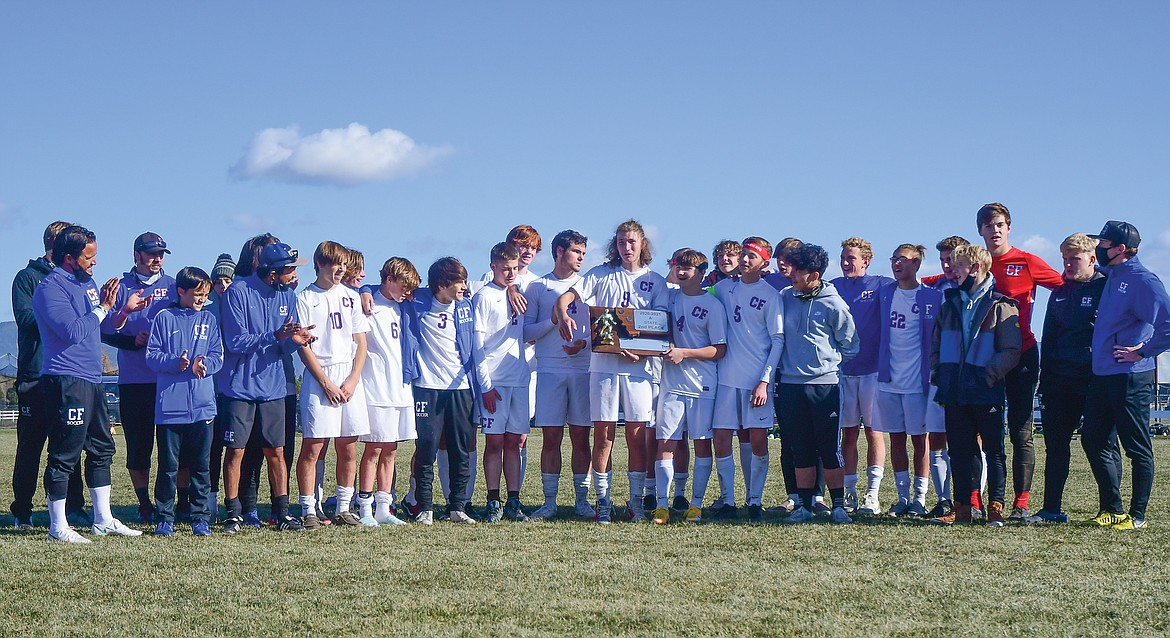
x,y
642,332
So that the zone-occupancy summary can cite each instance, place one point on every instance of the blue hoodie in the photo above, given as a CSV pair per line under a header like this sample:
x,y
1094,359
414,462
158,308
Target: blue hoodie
x,y
132,367
1134,310
69,313
929,301
860,293
182,398
464,335
252,312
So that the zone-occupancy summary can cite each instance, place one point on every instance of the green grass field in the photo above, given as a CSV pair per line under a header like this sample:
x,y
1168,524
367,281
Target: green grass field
x,y
879,577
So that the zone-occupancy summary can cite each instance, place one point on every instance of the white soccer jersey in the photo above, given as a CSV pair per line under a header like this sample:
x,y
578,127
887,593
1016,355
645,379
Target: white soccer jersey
x,y
438,357
616,287
753,317
336,316
382,374
542,296
905,344
522,281
699,321
501,334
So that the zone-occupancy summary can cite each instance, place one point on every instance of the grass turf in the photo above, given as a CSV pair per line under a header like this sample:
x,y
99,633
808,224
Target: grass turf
x,y
877,577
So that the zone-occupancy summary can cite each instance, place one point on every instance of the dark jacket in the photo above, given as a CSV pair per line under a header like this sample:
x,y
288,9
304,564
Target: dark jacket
x,y
28,336
971,371
1067,346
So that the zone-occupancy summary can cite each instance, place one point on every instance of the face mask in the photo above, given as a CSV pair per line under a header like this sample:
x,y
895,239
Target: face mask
x,y
968,284
80,274
1102,255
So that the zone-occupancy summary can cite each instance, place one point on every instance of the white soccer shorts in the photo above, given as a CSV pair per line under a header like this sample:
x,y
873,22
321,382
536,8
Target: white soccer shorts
x,y
680,414
901,413
859,400
390,425
562,397
320,419
733,407
610,393
511,415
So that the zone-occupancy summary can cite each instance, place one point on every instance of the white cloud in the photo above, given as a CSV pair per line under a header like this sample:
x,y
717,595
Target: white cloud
x,y
1045,248
252,223
341,156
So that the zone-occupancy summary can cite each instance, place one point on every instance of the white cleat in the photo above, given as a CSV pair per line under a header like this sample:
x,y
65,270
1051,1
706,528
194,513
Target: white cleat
x,y
114,528
69,536
368,521
460,517
390,519
870,507
548,511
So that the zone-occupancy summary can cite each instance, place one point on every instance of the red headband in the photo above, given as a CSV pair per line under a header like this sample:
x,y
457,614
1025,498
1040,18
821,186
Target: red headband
x,y
759,250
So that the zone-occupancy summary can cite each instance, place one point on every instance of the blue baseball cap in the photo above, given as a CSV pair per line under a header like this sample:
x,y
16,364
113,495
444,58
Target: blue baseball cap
x,y
279,256
150,243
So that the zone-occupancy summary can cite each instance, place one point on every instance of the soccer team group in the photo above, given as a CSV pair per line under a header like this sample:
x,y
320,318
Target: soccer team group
x,y
930,368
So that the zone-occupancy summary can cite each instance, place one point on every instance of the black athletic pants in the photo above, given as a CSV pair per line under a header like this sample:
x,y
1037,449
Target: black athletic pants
x,y
32,430
446,413
1063,405
137,403
963,423
1021,397
1118,407
78,421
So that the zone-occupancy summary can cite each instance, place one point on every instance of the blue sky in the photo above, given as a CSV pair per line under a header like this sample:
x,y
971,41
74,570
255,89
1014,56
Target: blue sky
x,y
422,130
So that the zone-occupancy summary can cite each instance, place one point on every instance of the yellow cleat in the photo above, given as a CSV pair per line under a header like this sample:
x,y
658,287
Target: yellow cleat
x,y
1108,519
693,515
661,516
1129,523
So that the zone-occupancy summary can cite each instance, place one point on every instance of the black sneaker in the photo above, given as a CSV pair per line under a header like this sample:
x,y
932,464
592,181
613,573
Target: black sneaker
x,y
649,503
725,513
289,524
232,525
755,514
941,509
680,504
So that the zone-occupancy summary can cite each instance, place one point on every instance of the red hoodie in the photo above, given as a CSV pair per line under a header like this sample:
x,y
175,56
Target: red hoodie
x,y
1017,273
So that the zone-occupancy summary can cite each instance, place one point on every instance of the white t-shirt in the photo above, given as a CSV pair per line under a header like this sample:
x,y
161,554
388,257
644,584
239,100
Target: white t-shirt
x,y
753,317
438,357
382,374
616,287
336,316
699,321
905,344
500,332
542,296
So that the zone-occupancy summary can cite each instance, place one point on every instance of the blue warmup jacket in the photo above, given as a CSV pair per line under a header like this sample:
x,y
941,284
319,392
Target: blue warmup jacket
x,y
1134,309
132,367
69,313
252,312
929,302
860,293
182,398
464,336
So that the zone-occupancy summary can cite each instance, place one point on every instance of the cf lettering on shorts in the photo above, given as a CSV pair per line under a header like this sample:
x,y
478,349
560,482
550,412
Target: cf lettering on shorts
x,y
487,422
75,416
421,409
229,436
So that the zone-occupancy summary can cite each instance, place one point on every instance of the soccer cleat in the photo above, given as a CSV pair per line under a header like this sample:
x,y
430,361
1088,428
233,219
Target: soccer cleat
x,y
1044,516
547,512
289,524
785,508
958,514
680,504
840,516
23,524
200,527
941,508
649,503
460,517
899,509
995,514
164,528
798,515
850,501
368,521
1107,519
347,519
1129,523
425,518
145,514
755,514
114,528
635,512
584,510
916,509
412,509
870,506
726,512
514,511
79,519
232,525
661,516
252,519
820,509
69,535
311,522
391,520
604,511
494,512
977,514
1018,514
693,515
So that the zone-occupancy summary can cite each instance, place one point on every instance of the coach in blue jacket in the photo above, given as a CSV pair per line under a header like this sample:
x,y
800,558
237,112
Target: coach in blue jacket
x,y
1133,327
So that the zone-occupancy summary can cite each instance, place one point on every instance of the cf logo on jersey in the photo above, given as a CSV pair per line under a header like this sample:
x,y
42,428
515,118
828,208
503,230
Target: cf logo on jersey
x,y
1122,286
201,331
463,314
1013,270
346,302
93,296
699,313
283,311
756,303
646,286
75,416
421,409
866,295
1086,302
160,293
